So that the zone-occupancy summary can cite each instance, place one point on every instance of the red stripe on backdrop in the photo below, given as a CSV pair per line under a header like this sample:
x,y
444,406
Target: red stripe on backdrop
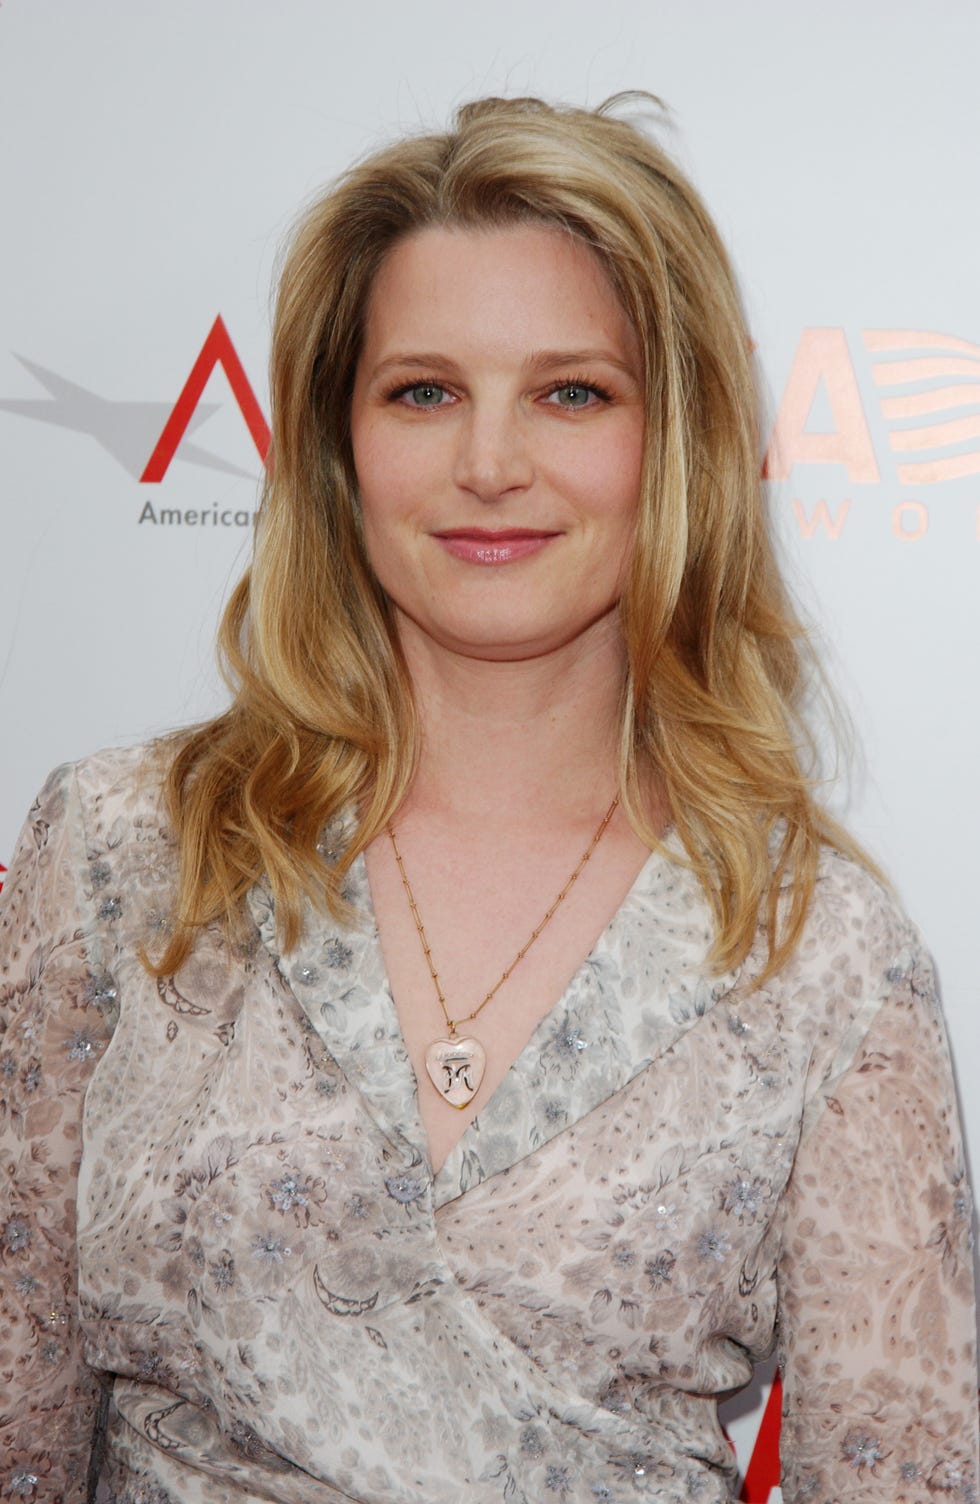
x,y
216,350
762,1473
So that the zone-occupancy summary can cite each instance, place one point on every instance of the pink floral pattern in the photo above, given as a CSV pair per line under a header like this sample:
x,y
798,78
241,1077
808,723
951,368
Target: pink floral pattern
x,y
228,1274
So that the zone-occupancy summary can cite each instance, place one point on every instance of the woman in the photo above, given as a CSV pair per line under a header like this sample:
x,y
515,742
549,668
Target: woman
x,y
487,1046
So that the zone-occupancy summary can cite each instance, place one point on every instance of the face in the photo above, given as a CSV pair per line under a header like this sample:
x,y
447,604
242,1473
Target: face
x,y
497,423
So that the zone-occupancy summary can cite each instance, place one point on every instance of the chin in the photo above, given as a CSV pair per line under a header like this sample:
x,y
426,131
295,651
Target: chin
x,y
512,642
505,634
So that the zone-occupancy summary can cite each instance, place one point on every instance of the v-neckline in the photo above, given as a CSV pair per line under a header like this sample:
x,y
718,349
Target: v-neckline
x,y
591,1042
476,1124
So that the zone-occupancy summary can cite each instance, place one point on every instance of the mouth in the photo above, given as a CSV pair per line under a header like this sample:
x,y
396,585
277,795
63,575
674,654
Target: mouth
x,y
477,545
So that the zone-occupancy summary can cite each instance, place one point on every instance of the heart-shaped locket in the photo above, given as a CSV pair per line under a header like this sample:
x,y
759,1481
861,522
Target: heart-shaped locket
x,y
456,1068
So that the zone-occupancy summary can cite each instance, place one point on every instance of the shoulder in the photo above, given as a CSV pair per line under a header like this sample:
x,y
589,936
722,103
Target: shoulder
x,y
117,775
860,960
103,818
855,915
120,780
107,792
72,874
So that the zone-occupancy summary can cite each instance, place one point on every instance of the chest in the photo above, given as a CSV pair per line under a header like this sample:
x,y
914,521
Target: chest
x,y
492,943
241,1166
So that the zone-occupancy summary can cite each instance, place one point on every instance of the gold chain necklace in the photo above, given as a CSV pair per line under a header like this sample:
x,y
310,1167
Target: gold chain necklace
x,y
455,1065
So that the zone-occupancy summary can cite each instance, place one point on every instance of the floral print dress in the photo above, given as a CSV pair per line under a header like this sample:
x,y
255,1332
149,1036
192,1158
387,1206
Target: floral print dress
x,y
228,1274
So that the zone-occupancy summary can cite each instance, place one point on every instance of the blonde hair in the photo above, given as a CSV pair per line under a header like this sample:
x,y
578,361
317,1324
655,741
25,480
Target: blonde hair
x,y
323,720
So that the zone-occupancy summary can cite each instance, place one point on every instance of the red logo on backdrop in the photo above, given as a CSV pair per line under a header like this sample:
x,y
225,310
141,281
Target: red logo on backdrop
x,y
216,350
762,1473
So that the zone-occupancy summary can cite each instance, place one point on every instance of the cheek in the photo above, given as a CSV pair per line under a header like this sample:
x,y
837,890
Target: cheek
x,y
380,540
378,486
392,474
605,480
371,464
390,524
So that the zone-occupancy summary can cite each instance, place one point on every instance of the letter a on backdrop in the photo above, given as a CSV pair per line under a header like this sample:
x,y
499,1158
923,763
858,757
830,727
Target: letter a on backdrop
x,y
216,350
822,355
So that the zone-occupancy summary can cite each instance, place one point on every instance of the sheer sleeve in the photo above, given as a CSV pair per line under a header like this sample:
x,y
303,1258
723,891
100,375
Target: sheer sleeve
x,y
53,997
877,1334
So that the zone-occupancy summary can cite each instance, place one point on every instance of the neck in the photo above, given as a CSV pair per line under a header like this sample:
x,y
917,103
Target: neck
x,y
540,734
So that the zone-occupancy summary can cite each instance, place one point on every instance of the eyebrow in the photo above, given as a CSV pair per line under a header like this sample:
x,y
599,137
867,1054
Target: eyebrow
x,y
538,360
546,358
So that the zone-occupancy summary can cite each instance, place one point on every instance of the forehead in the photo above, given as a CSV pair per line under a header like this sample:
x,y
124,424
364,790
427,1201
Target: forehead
x,y
530,283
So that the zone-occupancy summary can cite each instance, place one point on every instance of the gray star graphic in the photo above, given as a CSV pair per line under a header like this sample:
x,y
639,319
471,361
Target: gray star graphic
x,y
128,431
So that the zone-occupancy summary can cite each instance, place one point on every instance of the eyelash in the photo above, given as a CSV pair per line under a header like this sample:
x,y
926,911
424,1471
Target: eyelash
x,y
583,384
402,388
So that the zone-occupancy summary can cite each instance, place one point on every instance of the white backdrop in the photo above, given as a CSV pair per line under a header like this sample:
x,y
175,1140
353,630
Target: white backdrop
x,y
153,157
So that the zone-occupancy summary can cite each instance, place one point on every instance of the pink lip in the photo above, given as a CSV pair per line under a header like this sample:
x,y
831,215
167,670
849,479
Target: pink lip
x,y
493,545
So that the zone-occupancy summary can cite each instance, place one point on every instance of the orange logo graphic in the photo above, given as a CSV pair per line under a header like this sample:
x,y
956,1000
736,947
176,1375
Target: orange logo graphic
x,y
955,440
823,357
928,410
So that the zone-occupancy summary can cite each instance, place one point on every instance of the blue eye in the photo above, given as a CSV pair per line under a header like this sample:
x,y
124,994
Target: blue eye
x,y
573,395
423,394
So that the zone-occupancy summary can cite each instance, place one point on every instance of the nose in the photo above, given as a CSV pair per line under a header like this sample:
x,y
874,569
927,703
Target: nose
x,y
492,456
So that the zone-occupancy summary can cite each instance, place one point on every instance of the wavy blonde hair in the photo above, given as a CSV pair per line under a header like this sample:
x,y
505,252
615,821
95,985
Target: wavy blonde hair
x,y
323,720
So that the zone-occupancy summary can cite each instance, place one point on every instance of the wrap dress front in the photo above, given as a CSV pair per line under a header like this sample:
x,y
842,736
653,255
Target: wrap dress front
x,y
228,1274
